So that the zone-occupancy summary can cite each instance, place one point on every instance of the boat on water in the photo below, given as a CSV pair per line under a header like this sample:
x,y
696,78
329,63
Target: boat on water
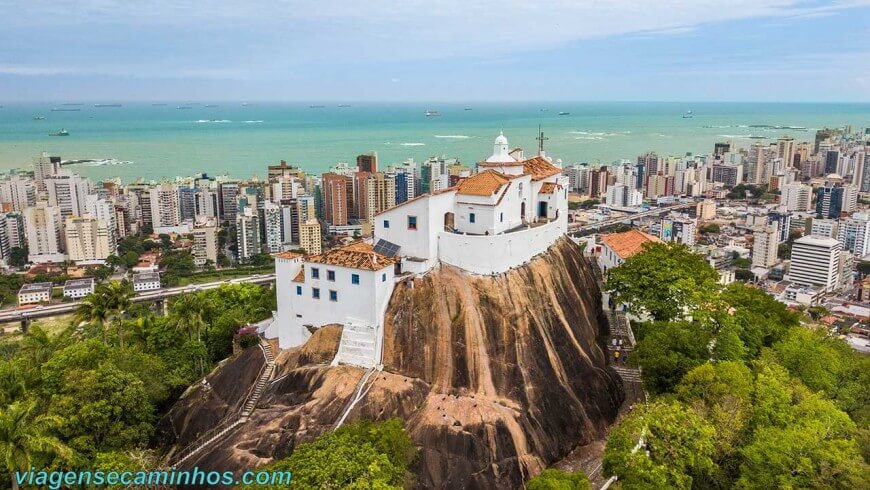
x,y
184,107
65,109
468,108
245,104
688,115
316,107
432,113
343,105
73,103
38,118
107,105
564,113
158,105
212,105
62,132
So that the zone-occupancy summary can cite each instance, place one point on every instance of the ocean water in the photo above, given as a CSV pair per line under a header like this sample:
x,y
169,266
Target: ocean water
x,y
161,141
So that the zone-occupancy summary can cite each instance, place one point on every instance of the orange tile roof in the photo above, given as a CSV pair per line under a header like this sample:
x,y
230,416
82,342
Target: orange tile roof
x,y
549,187
627,243
301,276
539,168
484,183
287,255
359,255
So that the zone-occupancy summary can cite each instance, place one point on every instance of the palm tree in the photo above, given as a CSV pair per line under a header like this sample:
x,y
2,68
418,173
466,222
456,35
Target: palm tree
x,y
95,308
24,435
191,312
119,297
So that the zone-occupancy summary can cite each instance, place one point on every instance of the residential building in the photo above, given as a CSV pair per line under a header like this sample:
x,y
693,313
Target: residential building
x,y
87,239
44,166
679,229
146,281
854,234
272,231
828,228
34,293
42,224
68,192
616,248
815,261
15,230
310,237
335,198
368,162
228,193
17,193
783,220
706,210
247,232
78,288
165,209
796,197
765,245
205,243
623,196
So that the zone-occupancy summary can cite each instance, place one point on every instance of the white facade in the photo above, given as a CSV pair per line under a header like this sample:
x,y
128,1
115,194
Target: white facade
x,y
854,234
38,292
42,225
205,243
78,288
796,197
765,245
68,192
507,196
87,239
623,196
165,209
272,219
146,281
815,261
18,192
350,286
825,227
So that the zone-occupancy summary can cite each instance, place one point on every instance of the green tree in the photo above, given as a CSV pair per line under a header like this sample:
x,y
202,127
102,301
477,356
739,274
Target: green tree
x,y
18,256
665,281
27,439
95,309
669,350
553,479
677,447
362,455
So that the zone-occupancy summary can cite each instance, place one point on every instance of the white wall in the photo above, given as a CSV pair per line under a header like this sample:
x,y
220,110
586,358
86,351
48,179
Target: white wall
x,y
423,242
495,254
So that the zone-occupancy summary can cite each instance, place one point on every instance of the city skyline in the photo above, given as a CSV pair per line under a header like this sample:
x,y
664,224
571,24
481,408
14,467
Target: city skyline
x,y
696,51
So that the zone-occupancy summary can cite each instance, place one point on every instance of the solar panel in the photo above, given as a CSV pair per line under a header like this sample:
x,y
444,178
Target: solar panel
x,y
386,248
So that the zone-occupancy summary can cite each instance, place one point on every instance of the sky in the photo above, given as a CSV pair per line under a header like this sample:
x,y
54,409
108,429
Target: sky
x,y
438,50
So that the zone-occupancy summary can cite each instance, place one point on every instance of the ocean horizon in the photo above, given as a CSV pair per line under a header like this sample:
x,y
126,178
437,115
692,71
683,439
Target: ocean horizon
x,y
164,140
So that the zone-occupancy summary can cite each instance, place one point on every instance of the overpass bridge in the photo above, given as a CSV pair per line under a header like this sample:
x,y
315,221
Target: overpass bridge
x,y
25,316
577,228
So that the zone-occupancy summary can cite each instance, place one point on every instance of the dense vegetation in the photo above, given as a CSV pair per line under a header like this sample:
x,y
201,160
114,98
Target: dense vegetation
x,y
743,394
89,397
553,479
362,455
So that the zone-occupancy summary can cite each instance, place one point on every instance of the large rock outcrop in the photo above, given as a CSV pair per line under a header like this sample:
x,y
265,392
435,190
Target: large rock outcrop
x,y
495,377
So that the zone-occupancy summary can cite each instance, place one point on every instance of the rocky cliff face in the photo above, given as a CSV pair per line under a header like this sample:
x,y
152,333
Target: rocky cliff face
x,y
495,377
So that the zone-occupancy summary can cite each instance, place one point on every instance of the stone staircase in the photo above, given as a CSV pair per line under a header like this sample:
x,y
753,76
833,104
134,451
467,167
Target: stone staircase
x,y
358,346
629,375
230,423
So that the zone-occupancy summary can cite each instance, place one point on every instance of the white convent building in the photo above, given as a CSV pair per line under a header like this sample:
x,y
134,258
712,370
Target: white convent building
x,y
511,210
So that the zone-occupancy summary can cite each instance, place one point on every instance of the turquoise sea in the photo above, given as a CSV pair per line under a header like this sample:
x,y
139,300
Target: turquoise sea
x,y
162,141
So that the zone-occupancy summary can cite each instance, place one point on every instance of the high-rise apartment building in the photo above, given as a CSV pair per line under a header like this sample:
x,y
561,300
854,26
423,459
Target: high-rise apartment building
x,y
765,245
42,224
247,231
796,197
165,209
310,237
368,162
335,199
854,234
272,233
88,239
17,193
68,192
205,242
44,166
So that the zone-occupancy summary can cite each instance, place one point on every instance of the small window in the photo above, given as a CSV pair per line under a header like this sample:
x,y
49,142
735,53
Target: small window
x,y
315,293
384,277
354,278
298,290
330,275
501,217
315,273
333,295
412,222
471,217
386,223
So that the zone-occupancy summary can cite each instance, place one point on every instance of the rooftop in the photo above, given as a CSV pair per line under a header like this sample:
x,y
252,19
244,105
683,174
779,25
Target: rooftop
x,y
484,183
540,168
87,282
628,243
359,255
549,187
146,277
287,255
35,287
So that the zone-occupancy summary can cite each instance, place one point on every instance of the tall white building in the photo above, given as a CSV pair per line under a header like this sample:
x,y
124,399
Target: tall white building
x,y
17,193
205,243
44,166
623,196
68,192
15,230
796,197
88,239
42,225
815,261
165,209
827,228
854,234
247,233
765,245
104,210
273,233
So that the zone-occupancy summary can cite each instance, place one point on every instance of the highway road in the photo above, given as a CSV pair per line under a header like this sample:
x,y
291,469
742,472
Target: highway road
x,y
17,315
578,228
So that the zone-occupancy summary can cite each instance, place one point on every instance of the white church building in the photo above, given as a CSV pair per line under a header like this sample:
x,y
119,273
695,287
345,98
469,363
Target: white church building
x,y
510,211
